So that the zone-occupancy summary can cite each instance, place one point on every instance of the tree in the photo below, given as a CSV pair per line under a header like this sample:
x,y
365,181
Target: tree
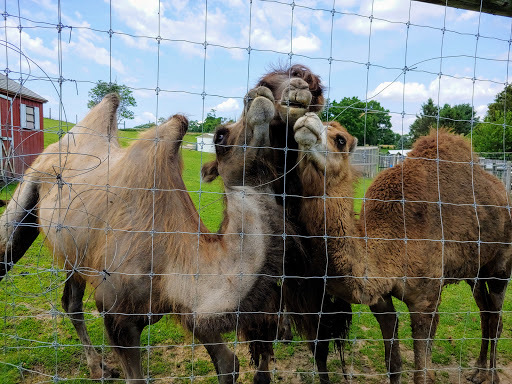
x,y
208,125
494,135
103,88
493,138
425,121
502,104
362,120
404,141
456,118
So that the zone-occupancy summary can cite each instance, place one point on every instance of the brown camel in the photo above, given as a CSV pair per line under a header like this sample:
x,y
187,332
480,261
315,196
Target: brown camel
x,y
122,221
437,219
296,91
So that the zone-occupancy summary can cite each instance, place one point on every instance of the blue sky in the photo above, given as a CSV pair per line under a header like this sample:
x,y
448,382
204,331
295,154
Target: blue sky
x,y
400,34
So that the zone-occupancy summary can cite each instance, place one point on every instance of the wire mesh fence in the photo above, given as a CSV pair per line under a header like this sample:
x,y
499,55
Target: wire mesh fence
x,y
284,247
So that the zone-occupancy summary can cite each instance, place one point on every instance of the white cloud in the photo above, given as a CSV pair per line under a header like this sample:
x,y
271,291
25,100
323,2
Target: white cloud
x,y
452,91
306,44
457,91
149,116
481,110
265,39
145,117
230,105
396,91
144,93
226,26
396,122
386,14
131,42
467,15
87,49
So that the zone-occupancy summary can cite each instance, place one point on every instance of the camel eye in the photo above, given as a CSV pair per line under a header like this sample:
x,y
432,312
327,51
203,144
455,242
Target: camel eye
x,y
220,136
340,142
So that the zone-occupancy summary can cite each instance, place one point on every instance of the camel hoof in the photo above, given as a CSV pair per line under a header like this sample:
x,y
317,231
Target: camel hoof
x,y
483,376
261,378
105,371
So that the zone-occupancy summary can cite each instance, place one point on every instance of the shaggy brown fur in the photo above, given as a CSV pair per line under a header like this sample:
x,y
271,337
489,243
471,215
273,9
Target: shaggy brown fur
x,y
295,90
122,221
300,88
464,237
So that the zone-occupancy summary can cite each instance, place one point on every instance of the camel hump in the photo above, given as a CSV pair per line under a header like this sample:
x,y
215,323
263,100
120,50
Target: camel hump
x,y
99,126
444,145
170,132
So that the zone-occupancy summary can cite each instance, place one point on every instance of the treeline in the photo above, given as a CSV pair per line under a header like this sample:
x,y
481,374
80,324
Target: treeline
x,y
208,125
492,136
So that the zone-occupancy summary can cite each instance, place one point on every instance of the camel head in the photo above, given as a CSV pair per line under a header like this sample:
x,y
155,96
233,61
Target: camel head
x,y
296,91
324,148
240,147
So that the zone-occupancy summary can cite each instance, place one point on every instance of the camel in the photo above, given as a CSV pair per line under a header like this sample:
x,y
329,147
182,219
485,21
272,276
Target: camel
x,y
122,221
296,91
436,219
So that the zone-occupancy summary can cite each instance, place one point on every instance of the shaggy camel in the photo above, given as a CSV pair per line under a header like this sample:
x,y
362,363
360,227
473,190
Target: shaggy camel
x,y
125,224
296,91
424,224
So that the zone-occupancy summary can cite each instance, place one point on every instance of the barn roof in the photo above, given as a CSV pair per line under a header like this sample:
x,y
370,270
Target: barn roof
x,y
13,88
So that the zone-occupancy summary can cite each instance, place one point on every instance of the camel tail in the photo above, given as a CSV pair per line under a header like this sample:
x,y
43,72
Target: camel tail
x,y
18,226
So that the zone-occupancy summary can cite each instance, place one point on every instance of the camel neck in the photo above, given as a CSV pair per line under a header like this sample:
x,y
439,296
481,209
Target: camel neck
x,y
225,267
334,216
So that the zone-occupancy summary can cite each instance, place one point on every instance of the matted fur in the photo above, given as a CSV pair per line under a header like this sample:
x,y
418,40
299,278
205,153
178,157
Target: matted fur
x,y
279,85
430,203
123,221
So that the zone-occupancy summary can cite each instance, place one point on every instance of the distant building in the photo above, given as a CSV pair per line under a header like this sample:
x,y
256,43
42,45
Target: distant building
x,y
204,143
398,152
21,122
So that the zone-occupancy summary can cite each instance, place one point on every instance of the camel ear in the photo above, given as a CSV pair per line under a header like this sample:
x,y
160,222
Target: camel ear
x,y
209,171
353,145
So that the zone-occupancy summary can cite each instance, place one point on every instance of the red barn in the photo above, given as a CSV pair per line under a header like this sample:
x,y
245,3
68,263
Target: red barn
x,y
21,121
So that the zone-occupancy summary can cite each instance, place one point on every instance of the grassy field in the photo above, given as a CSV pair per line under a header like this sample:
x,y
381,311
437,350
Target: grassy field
x,y
39,342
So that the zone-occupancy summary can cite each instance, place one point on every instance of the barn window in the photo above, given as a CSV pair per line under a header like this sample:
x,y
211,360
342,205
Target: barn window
x,y
29,117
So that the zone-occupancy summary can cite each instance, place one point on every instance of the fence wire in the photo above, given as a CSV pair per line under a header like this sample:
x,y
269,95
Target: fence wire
x,y
122,275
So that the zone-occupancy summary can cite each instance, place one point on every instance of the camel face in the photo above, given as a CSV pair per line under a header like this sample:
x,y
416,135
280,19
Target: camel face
x,y
326,145
239,146
295,100
296,91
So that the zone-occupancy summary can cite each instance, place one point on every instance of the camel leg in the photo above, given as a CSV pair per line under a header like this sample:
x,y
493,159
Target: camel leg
x,y
320,353
424,321
73,306
497,290
490,304
124,335
225,361
385,313
18,226
266,352
482,300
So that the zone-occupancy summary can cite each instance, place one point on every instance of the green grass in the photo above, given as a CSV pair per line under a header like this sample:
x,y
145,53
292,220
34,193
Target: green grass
x,y
32,339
